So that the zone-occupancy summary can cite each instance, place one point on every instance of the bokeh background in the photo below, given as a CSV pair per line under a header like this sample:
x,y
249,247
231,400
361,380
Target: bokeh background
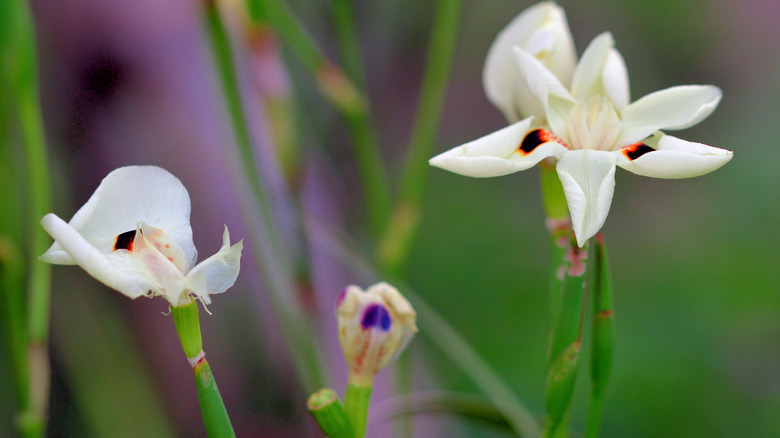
x,y
696,263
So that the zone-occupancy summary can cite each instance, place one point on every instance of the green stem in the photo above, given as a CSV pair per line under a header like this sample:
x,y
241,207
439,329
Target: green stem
x,y
467,405
565,343
398,237
363,136
23,77
274,260
215,417
356,401
330,414
603,337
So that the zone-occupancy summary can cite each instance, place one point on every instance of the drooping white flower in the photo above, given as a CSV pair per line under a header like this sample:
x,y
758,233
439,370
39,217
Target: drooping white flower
x,y
134,236
591,128
375,325
541,31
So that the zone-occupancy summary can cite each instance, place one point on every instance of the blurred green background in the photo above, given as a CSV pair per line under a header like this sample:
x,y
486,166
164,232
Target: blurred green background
x,y
696,263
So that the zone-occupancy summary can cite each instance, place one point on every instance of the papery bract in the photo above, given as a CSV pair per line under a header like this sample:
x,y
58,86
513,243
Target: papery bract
x,y
134,236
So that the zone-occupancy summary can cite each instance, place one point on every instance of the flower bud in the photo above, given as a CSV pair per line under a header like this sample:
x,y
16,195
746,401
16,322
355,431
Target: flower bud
x,y
374,326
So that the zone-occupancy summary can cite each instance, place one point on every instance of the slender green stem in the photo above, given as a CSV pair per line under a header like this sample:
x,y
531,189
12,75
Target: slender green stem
x,y
215,417
399,235
187,323
356,401
273,258
420,402
363,136
341,90
603,337
330,414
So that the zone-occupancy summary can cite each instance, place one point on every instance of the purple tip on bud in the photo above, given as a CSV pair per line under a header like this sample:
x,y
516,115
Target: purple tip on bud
x,y
340,298
376,316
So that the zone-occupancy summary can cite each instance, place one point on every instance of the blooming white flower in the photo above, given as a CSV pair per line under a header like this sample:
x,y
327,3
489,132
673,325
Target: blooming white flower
x,y
591,128
541,31
134,236
374,326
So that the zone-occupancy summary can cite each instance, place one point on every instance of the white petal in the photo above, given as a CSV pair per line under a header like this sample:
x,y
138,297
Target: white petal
x,y
217,273
542,31
587,79
543,84
673,108
124,198
496,154
676,158
614,80
588,179
115,270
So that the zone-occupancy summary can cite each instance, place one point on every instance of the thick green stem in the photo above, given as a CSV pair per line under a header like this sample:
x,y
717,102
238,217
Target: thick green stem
x,y
330,414
185,319
603,337
565,343
356,401
19,73
399,235
273,258
215,417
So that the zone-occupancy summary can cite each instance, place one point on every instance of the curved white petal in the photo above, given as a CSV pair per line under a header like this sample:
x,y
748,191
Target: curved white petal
x,y
542,31
673,108
587,79
543,84
496,154
127,196
676,158
588,179
116,270
614,80
217,273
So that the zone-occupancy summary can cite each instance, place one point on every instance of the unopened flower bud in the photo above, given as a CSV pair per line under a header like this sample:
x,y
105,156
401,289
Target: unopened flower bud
x,y
374,326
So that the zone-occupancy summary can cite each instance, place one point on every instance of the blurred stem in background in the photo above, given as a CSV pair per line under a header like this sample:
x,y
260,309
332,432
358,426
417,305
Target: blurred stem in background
x,y
274,259
347,97
21,241
399,235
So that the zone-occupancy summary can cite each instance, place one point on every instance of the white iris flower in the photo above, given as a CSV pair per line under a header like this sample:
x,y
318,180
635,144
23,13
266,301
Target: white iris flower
x,y
134,236
590,129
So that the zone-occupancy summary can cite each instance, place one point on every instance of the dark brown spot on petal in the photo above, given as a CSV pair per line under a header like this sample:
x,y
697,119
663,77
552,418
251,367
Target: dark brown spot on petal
x,y
636,150
532,140
125,241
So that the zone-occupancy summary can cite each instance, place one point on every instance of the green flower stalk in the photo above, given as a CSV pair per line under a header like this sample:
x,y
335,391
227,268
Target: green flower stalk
x,y
330,414
215,416
603,336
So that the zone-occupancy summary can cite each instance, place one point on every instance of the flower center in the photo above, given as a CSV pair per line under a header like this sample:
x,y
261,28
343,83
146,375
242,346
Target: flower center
x,y
593,124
